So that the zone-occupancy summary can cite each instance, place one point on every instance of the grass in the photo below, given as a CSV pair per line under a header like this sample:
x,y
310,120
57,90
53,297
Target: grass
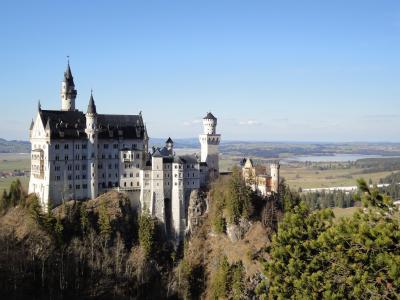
x,y
311,178
344,212
6,182
10,162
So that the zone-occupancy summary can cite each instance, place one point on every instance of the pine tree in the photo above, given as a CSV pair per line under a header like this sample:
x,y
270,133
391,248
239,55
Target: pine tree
x,y
84,218
104,223
147,230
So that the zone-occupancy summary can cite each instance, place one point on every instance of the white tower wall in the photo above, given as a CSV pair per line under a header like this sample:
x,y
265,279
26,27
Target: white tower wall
x,y
275,177
92,154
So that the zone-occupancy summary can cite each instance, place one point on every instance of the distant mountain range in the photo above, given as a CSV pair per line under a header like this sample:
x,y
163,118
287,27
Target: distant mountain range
x,y
14,146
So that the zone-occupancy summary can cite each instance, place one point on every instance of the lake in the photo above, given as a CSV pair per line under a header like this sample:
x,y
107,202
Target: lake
x,y
332,158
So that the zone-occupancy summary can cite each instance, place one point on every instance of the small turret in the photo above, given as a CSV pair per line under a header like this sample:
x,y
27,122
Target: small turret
x,y
92,134
169,144
92,106
68,92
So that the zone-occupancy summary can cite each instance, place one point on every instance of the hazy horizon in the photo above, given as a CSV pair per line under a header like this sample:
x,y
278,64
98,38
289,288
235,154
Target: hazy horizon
x,y
270,71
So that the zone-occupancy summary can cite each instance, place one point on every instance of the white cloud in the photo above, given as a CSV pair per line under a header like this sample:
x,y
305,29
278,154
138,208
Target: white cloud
x,y
192,122
249,123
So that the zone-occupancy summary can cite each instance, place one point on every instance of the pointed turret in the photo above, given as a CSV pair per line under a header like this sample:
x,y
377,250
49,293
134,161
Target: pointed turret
x,y
68,78
39,106
169,144
92,106
68,92
32,124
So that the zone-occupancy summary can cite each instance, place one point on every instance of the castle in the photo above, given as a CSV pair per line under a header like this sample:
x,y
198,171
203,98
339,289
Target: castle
x,y
257,178
77,155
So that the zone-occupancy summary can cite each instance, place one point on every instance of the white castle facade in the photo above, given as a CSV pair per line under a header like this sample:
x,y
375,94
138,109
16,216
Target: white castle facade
x,y
77,155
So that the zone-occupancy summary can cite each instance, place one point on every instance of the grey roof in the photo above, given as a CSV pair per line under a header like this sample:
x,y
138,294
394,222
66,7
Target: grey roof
x,y
210,116
157,153
64,124
32,123
186,159
72,125
169,141
91,107
68,78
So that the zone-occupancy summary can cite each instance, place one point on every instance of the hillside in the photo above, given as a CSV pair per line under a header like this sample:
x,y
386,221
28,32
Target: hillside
x,y
14,146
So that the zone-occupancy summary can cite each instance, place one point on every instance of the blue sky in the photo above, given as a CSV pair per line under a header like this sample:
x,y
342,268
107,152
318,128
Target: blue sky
x,y
269,70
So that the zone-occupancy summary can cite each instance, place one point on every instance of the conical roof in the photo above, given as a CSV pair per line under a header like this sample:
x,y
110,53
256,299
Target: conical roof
x,y
92,106
210,116
68,76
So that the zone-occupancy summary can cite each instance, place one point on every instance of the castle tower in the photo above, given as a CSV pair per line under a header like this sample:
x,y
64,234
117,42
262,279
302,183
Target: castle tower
x,y
209,141
275,177
68,92
92,134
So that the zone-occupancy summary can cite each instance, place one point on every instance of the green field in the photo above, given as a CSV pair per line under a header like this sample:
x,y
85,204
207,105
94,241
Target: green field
x,y
10,162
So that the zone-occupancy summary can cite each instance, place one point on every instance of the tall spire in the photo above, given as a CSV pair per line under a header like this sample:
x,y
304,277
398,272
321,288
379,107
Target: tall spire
x,y
39,106
92,106
68,78
68,91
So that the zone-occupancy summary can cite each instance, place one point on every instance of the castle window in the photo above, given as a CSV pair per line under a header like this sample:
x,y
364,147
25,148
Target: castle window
x,y
83,157
83,146
83,176
137,183
176,183
125,184
124,156
116,175
69,177
76,146
103,175
131,183
131,175
66,146
84,186
58,178
77,177
77,167
66,157
69,167
137,166
57,146
138,155
124,175
115,146
105,146
70,186
77,186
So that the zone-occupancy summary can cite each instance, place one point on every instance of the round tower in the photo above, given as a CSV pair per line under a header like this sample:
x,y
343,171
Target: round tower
x,y
275,177
92,134
209,124
209,141
68,92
